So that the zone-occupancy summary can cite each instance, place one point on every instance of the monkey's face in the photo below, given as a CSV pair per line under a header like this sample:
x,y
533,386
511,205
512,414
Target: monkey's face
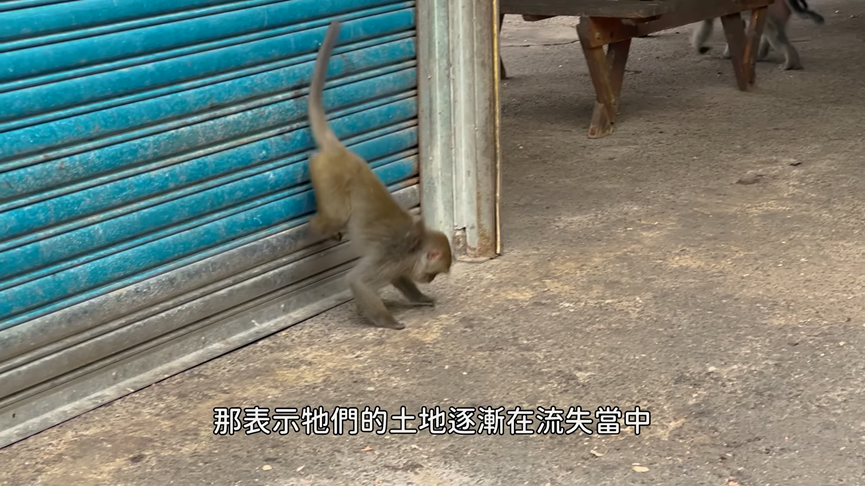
x,y
432,264
429,271
440,263
435,259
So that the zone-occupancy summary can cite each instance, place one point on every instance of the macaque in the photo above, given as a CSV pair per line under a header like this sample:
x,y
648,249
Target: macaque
x,y
394,247
774,35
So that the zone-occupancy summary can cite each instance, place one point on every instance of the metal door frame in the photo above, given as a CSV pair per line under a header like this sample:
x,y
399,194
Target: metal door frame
x,y
459,123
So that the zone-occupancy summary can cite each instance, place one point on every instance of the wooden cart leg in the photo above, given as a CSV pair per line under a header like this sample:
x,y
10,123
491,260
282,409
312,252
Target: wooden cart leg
x,y
502,73
607,71
752,39
734,29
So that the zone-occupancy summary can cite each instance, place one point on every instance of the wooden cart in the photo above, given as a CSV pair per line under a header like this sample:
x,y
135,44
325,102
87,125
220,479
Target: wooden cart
x,y
613,23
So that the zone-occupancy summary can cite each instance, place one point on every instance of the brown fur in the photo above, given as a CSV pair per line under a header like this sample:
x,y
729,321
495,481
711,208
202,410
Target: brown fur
x,y
395,247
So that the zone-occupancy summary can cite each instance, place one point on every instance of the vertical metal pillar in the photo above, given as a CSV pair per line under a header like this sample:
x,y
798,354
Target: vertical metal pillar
x,y
458,116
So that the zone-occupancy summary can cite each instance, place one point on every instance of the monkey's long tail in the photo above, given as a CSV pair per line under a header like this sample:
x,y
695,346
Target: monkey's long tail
x,y
321,131
801,8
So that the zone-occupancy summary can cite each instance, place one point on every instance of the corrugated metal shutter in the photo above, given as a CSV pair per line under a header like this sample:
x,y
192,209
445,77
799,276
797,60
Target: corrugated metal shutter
x,y
153,182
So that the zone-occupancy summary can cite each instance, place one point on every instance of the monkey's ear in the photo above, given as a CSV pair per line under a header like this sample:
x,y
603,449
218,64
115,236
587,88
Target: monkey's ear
x,y
433,255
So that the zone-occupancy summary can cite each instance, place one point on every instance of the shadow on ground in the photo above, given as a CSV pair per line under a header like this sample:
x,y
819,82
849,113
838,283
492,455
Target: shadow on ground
x,y
637,272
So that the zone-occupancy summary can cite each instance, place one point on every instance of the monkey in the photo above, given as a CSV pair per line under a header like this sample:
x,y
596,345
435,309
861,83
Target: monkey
x,y
394,247
774,35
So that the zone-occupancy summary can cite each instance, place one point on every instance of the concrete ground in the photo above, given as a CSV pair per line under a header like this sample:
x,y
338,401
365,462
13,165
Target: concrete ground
x,y
704,263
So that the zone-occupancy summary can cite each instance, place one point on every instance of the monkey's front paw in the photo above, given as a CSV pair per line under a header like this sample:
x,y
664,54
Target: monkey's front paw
x,y
389,324
423,300
421,303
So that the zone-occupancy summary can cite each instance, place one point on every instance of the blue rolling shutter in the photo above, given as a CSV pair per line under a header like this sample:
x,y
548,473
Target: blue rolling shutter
x,y
154,187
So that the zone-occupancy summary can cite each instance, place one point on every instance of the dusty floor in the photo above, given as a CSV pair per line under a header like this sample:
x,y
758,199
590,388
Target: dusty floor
x,y
637,272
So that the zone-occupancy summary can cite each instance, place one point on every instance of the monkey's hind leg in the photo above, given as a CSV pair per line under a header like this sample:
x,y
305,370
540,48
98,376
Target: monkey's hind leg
x,y
325,225
777,36
333,203
411,292
363,281
701,34
765,45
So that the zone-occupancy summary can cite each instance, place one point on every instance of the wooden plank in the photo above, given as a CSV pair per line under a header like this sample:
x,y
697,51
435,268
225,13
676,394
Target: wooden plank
x,y
690,12
589,8
675,12
734,29
601,31
755,32
536,18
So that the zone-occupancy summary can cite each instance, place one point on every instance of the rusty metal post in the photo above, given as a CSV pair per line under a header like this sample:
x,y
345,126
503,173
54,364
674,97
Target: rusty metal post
x,y
458,81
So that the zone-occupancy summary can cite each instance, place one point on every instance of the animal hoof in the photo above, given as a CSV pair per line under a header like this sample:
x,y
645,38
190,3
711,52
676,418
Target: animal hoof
x,y
703,49
791,67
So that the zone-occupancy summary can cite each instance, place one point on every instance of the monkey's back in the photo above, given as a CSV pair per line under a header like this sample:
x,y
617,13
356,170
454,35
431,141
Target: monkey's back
x,y
375,214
